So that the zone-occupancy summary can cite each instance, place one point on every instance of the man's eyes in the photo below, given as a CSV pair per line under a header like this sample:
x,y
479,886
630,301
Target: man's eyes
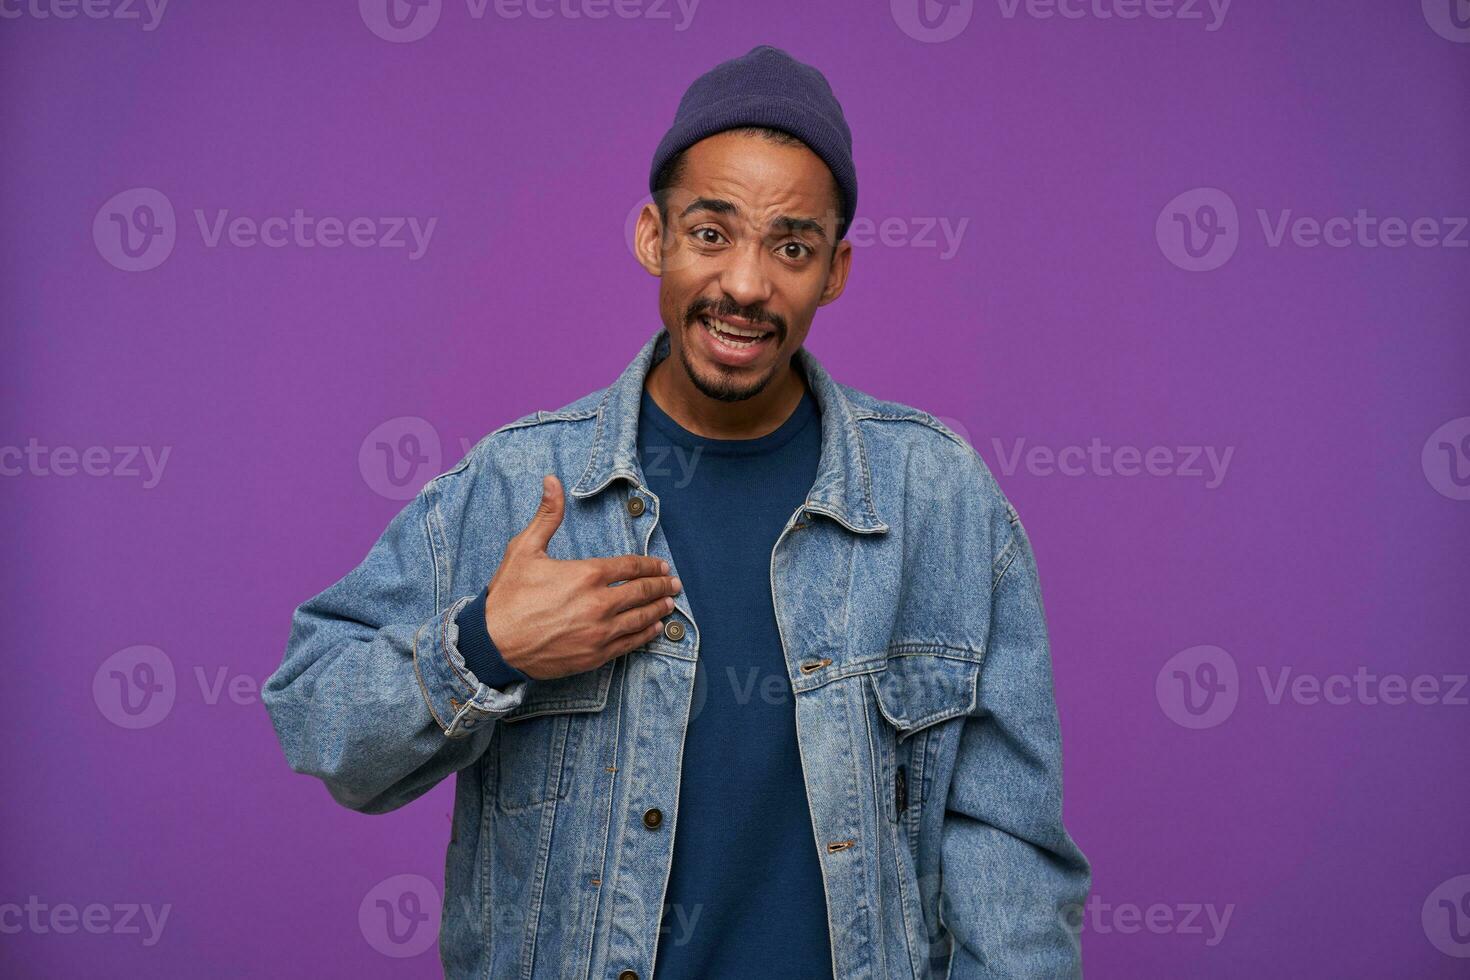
x,y
791,250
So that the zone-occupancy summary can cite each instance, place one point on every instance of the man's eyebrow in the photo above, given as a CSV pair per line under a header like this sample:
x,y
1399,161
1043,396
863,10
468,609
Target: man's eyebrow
x,y
812,225
785,222
715,204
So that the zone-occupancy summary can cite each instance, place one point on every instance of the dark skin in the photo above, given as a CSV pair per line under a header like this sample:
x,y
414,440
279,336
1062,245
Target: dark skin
x,y
750,240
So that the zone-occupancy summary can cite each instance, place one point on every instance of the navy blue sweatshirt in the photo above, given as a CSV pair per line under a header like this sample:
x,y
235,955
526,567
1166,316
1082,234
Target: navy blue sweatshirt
x,y
745,895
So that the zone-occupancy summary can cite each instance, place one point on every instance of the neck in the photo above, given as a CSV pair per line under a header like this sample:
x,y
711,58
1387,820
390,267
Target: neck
x,y
675,392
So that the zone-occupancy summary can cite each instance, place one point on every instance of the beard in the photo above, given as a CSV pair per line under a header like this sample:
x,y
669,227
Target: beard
x,y
722,383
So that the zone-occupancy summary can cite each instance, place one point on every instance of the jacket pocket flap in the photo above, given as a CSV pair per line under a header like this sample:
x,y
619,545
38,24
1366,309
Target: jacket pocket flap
x,y
586,691
916,690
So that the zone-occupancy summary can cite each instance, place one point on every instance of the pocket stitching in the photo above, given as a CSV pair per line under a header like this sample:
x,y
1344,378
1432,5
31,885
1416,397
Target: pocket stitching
x,y
907,727
568,740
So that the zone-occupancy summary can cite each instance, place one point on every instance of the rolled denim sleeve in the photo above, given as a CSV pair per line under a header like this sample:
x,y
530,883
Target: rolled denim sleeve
x,y
1014,882
373,695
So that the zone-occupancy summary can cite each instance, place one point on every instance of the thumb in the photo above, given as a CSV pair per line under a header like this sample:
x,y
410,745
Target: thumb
x,y
547,519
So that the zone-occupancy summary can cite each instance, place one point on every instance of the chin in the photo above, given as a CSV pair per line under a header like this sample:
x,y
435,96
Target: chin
x,y
724,384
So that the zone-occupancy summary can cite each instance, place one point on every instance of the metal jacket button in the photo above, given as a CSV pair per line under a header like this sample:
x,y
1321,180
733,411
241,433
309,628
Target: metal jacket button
x,y
674,630
653,818
635,506
628,975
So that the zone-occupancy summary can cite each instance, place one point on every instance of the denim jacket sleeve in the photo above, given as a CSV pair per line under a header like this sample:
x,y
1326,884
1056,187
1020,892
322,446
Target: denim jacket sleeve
x,y
373,696
1013,880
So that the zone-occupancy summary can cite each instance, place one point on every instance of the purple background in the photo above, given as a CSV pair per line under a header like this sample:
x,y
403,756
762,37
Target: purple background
x,y
1060,318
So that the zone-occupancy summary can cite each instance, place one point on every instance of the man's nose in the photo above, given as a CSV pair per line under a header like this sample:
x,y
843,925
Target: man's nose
x,y
744,278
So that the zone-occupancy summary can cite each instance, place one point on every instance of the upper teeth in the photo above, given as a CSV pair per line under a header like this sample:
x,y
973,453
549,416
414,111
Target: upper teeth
x,y
726,328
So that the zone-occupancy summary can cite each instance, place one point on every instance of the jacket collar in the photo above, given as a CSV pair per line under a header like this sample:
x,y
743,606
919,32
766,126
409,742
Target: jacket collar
x,y
842,489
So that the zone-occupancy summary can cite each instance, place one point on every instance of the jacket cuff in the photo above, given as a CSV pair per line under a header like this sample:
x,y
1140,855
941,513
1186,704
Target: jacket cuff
x,y
459,701
480,654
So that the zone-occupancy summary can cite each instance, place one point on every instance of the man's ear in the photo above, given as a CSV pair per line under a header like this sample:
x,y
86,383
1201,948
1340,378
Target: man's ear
x,y
648,237
837,272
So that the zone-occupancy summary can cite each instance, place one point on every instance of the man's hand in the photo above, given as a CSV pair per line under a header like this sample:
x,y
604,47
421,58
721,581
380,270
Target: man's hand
x,y
550,618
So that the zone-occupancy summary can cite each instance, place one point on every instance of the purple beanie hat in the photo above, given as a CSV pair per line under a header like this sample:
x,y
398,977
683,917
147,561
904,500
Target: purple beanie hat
x,y
766,87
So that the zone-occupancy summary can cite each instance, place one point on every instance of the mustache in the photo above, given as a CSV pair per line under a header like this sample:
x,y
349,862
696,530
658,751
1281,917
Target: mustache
x,y
709,308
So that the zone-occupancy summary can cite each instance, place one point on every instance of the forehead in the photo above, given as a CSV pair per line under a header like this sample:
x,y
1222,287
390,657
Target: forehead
x,y
759,175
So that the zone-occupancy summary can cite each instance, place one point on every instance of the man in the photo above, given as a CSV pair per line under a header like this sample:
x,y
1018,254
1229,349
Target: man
x,y
796,624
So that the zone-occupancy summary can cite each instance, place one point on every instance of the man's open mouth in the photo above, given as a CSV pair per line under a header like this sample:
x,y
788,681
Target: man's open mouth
x,y
738,338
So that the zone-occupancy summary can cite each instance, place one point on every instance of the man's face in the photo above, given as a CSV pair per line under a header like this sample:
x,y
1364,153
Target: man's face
x,y
749,246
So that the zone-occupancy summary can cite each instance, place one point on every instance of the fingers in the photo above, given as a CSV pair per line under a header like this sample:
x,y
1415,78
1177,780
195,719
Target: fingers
x,y
543,524
639,591
625,568
641,624
639,619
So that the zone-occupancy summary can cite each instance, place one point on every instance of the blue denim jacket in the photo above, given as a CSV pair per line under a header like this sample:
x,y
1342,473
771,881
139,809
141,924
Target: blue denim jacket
x,y
909,611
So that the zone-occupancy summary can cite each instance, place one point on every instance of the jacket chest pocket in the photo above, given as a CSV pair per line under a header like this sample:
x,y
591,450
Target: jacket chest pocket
x,y
538,745
912,694
916,690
